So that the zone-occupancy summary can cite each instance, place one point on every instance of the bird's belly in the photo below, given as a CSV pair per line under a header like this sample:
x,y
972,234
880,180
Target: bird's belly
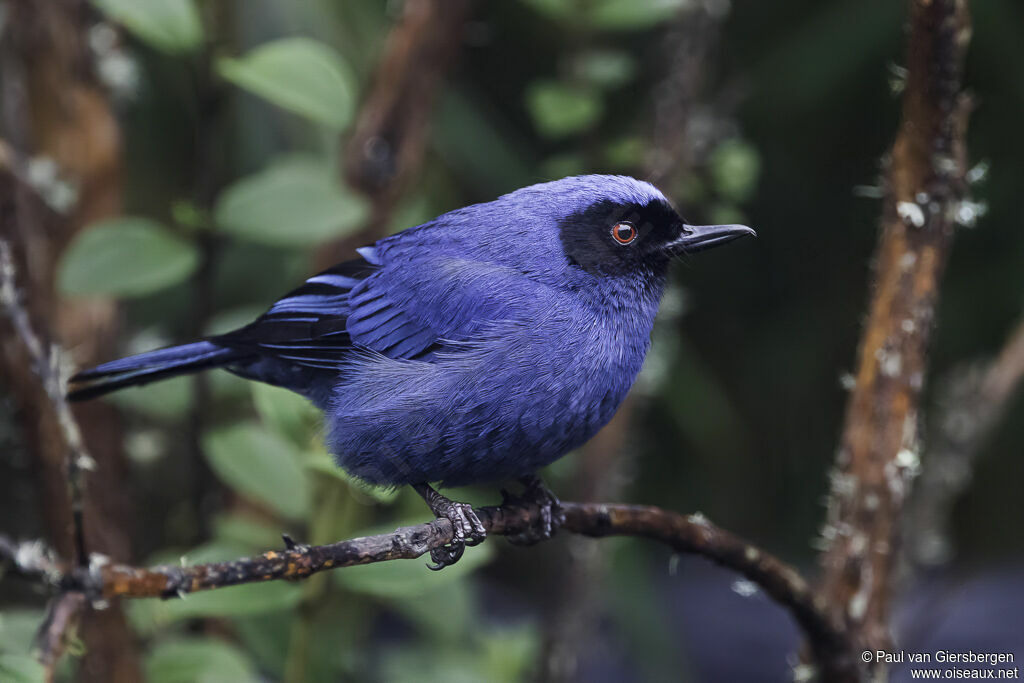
x,y
459,423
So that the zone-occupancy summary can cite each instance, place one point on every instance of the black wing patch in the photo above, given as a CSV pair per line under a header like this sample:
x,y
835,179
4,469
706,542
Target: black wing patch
x,y
308,326
318,324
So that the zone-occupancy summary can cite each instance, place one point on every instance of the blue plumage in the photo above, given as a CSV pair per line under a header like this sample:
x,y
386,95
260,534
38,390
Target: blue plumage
x,y
479,346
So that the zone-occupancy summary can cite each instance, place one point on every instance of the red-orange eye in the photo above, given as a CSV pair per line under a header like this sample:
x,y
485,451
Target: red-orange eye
x,y
623,233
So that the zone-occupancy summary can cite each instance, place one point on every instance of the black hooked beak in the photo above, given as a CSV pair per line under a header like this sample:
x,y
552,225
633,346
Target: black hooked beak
x,y
700,237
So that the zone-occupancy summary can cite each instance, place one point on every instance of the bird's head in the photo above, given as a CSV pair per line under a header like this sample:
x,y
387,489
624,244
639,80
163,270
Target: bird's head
x,y
568,232
619,225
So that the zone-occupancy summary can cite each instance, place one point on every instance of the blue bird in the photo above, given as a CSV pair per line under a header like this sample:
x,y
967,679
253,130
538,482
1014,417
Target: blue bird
x,y
479,346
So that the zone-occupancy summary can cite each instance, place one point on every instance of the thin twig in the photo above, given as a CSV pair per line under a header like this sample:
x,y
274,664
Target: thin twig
x,y
685,534
971,404
57,630
47,365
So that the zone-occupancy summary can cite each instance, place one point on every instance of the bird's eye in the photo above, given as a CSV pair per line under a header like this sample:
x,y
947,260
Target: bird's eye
x,y
624,232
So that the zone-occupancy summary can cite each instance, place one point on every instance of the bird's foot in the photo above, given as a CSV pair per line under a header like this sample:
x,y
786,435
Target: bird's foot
x,y
467,528
536,493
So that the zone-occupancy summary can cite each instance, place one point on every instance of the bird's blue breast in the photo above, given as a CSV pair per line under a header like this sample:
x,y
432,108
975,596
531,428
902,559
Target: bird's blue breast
x,y
519,395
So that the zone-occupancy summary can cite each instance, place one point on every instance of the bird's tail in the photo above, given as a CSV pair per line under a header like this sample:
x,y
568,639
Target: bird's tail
x,y
147,367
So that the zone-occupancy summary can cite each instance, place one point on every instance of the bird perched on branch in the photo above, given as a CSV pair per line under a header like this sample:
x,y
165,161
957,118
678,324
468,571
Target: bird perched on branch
x,y
477,347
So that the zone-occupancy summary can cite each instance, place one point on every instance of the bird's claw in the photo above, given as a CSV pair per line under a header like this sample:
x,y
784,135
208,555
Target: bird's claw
x,y
467,529
446,555
536,493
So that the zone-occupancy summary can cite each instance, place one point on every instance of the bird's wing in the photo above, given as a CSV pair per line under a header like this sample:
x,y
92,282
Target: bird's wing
x,y
307,326
401,308
411,307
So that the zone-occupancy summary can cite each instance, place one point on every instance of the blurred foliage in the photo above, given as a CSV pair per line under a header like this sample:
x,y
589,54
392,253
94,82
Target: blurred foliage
x,y
126,257
559,110
740,402
260,465
611,15
170,25
17,633
298,74
198,660
295,201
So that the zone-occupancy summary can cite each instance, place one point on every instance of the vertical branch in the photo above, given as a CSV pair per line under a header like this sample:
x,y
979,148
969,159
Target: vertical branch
x,y
878,449
57,116
689,45
46,363
390,136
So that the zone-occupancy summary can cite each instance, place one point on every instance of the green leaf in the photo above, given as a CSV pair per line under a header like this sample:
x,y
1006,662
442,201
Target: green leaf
x,y
267,637
21,669
188,214
234,529
301,75
214,550
127,257
412,662
405,579
168,25
248,599
559,10
509,653
562,165
559,110
735,167
202,660
321,462
627,15
18,629
625,153
259,465
286,413
445,616
168,400
605,68
296,201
